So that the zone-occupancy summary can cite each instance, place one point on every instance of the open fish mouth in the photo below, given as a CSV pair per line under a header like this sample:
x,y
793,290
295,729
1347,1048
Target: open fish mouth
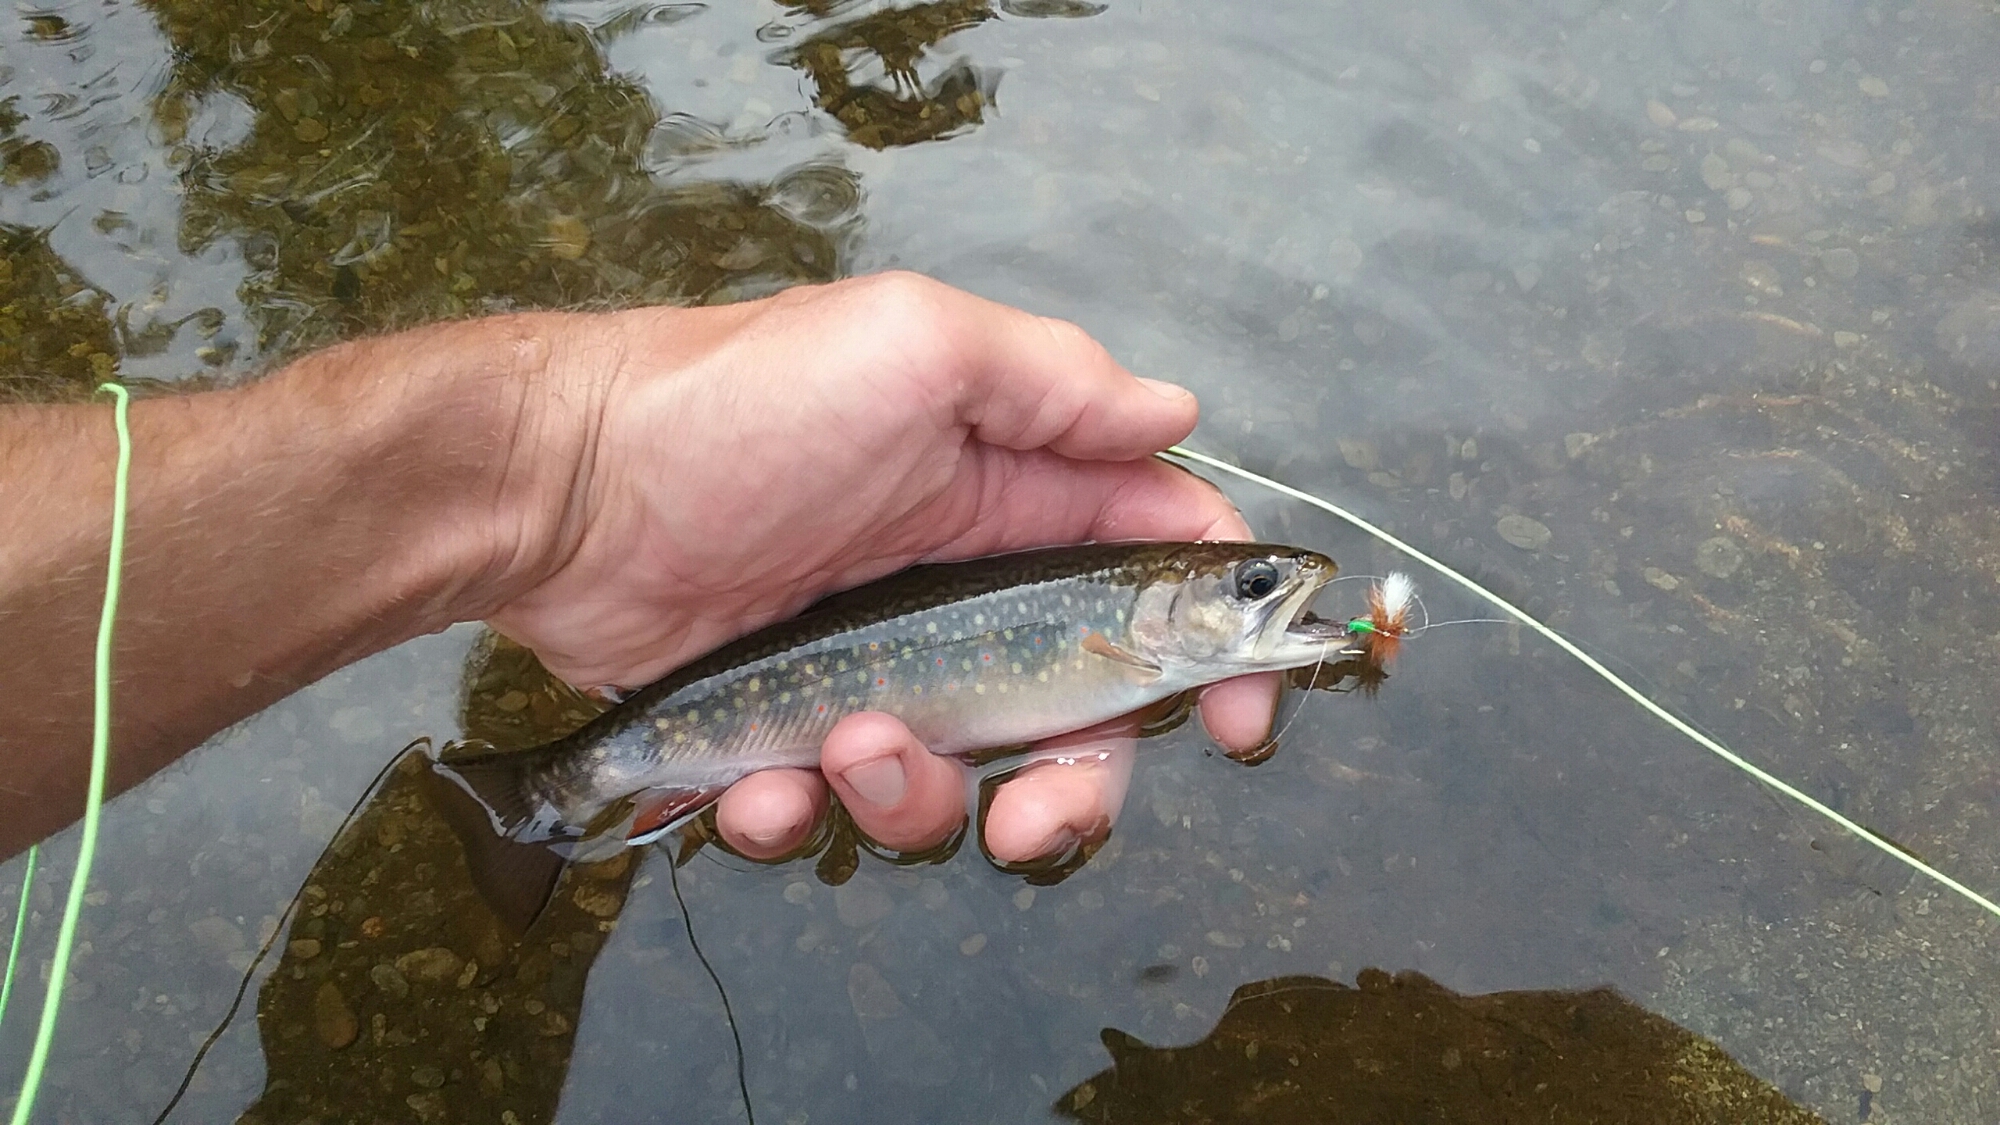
x,y
1310,628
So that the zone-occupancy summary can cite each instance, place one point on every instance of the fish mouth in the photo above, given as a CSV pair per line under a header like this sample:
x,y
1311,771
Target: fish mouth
x,y
1310,628
1305,636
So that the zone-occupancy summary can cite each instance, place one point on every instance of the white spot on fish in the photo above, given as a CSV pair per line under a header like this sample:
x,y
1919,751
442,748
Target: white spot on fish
x,y
1043,675
1015,668
979,689
930,627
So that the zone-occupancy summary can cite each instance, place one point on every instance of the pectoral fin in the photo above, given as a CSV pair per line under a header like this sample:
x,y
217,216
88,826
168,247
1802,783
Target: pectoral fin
x,y
1097,645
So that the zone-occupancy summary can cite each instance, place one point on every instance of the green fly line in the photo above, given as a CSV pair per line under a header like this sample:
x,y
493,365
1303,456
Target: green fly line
x,y
1608,676
100,747
20,923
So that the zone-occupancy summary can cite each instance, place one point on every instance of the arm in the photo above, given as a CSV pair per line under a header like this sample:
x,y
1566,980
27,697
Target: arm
x,y
621,492
276,532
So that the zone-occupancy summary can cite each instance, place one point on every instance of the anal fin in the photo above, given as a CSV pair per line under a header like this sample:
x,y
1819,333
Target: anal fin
x,y
657,812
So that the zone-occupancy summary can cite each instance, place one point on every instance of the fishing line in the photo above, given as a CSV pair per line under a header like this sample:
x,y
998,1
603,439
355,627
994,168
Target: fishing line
x,y
1608,676
20,923
100,753
1301,708
243,986
687,923
1429,625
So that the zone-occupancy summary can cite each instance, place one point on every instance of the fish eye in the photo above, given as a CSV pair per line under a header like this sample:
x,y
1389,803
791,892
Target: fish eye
x,y
1255,578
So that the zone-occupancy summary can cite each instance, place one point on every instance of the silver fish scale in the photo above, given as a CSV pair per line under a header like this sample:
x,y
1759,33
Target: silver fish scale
x,y
957,674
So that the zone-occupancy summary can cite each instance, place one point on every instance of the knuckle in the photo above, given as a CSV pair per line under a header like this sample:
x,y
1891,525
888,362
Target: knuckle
x,y
909,307
1070,334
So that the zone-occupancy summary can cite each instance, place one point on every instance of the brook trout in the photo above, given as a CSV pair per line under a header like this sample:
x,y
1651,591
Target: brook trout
x,y
970,655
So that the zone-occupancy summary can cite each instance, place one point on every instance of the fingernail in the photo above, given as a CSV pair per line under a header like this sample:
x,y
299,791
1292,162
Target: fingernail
x,y
1172,392
880,782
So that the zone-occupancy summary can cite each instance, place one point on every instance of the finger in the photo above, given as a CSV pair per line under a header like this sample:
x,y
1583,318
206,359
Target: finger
x,y
1072,795
1038,499
1044,383
771,812
901,795
1237,713
1026,381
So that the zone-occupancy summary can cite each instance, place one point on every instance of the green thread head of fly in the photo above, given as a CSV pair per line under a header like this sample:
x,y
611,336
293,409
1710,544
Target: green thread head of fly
x,y
1360,625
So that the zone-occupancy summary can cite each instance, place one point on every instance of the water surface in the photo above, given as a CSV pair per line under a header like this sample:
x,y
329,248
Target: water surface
x,y
1677,324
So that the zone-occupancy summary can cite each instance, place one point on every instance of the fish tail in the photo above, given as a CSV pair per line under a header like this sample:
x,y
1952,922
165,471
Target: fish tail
x,y
488,800
501,782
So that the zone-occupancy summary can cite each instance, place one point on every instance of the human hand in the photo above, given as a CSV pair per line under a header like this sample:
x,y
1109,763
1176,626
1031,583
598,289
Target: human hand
x,y
712,470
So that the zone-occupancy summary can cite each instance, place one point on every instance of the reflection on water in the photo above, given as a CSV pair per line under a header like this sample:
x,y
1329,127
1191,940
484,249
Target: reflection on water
x,y
55,341
1679,324
405,162
1298,1050
908,109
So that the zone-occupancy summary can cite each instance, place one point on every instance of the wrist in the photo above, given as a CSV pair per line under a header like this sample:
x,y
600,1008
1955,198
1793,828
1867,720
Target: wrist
x,y
473,449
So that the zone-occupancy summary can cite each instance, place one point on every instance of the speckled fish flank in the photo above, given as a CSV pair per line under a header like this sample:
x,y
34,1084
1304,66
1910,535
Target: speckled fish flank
x,y
970,655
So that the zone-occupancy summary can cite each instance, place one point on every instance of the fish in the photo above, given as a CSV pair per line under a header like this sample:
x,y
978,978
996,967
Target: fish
x,y
972,655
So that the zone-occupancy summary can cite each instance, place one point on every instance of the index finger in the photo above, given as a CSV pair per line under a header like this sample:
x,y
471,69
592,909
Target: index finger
x,y
1021,381
1038,499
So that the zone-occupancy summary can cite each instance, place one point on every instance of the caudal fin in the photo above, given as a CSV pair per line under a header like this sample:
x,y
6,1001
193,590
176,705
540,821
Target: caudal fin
x,y
486,800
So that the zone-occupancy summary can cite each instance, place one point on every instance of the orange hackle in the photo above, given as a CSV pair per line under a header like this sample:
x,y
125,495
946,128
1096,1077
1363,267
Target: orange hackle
x,y
1389,604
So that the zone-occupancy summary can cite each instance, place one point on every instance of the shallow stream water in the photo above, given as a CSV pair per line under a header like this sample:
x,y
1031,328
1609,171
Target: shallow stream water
x,y
1676,323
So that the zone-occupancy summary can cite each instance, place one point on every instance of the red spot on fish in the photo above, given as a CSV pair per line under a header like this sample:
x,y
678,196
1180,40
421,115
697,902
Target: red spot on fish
x,y
940,661
822,709
987,657
879,681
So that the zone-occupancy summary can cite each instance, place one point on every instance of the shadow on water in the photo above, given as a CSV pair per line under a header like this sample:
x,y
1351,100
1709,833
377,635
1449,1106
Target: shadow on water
x,y
399,992
1405,1049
